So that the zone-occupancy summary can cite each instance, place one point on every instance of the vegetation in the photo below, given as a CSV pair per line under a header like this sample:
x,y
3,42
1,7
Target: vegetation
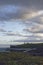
x,y
20,58
27,45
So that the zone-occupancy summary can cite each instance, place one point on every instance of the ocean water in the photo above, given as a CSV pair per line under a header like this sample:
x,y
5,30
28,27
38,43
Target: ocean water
x,y
16,49
4,50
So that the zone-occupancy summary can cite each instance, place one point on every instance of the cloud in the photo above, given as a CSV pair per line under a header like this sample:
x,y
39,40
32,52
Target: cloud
x,y
32,14
15,12
35,29
23,20
35,41
10,33
20,9
10,12
2,30
23,2
35,37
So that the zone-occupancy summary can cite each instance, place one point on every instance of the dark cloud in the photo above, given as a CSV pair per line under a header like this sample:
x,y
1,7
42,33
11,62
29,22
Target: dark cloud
x,y
8,12
23,2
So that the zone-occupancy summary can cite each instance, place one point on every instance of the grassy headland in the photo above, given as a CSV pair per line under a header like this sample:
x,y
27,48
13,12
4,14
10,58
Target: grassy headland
x,y
21,58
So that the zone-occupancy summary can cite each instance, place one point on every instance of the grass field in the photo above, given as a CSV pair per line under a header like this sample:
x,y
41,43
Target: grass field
x,y
20,58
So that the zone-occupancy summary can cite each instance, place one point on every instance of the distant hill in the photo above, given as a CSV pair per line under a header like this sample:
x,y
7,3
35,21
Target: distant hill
x,y
27,45
35,49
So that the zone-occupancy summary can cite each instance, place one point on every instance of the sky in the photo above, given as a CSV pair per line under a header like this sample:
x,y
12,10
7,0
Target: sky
x,y
21,21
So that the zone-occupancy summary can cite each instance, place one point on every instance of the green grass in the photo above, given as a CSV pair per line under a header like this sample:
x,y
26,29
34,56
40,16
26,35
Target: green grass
x,y
20,58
